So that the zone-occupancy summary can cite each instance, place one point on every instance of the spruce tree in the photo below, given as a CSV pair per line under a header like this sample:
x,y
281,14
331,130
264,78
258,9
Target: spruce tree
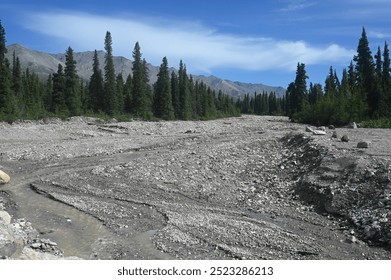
x,y
162,104
139,85
95,87
299,91
386,80
120,93
110,98
184,98
175,93
7,98
128,94
365,71
58,95
72,84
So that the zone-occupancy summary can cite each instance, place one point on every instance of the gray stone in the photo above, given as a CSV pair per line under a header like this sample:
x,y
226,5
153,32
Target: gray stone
x,y
323,128
353,125
345,138
335,134
331,126
309,129
363,144
319,132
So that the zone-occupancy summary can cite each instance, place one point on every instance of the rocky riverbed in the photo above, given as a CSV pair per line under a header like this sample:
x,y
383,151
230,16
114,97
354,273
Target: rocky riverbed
x,y
241,188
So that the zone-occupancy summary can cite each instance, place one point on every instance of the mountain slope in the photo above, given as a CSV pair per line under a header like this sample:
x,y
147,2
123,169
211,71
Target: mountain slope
x,y
44,64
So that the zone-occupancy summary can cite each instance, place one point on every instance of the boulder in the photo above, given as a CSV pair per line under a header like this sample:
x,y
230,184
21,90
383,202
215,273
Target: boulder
x,y
345,138
363,144
4,178
331,126
335,135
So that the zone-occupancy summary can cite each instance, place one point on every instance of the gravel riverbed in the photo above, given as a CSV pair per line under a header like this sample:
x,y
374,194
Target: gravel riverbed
x,y
253,187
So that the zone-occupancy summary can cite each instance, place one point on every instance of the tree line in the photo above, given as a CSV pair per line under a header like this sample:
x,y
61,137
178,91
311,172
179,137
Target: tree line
x,y
363,93
175,95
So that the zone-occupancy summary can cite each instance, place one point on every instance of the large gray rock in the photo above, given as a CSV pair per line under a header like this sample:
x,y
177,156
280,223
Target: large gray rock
x,y
345,138
363,144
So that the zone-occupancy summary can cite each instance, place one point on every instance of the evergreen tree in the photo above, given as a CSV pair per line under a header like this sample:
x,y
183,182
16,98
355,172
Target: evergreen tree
x,y
72,84
95,87
128,94
162,99
139,85
7,98
184,98
110,97
58,95
299,91
386,80
120,93
365,72
175,93
17,83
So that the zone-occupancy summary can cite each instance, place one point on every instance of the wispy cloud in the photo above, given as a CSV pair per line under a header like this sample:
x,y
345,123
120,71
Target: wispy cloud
x,y
295,5
378,35
202,48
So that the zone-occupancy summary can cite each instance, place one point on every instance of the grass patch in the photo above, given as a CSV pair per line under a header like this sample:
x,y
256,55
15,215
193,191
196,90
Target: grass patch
x,y
377,123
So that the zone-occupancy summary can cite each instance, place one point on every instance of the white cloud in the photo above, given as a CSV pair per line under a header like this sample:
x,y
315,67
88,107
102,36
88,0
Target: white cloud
x,y
200,47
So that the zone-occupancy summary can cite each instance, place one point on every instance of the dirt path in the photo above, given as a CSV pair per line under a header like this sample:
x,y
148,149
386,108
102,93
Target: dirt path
x,y
233,188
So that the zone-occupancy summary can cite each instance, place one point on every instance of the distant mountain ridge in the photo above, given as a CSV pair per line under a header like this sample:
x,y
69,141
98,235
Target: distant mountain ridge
x,y
44,64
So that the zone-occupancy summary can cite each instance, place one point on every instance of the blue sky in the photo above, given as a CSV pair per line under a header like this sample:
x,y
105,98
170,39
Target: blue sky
x,y
249,41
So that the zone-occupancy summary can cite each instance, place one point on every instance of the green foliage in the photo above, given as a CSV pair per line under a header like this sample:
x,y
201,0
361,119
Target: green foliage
x,y
377,123
162,104
364,94
110,102
24,96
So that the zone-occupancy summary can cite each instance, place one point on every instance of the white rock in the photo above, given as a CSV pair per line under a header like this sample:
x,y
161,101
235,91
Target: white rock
x,y
319,132
4,216
4,177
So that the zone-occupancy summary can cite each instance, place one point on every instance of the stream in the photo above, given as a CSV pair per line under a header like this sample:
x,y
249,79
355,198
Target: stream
x,y
76,232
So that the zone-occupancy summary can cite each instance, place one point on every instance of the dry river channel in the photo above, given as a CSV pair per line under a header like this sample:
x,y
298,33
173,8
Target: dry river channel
x,y
240,188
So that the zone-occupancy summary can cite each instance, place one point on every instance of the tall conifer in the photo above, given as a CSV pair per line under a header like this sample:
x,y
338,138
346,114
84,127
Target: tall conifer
x,y
110,97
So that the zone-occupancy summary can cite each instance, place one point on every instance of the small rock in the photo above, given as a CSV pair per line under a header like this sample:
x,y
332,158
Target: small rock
x,y
308,129
335,135
319,132
345,138
363,144
323,128
4,177
36,245
331,126
352,239
5,217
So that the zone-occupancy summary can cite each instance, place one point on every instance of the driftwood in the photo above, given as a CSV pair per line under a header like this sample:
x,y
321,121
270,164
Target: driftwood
x,y
4,178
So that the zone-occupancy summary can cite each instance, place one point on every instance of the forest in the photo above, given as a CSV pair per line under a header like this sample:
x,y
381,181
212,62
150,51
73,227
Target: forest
x,y
175,96
363,94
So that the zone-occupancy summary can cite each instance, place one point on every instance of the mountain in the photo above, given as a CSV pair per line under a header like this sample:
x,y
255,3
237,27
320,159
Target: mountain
x,y
44,64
